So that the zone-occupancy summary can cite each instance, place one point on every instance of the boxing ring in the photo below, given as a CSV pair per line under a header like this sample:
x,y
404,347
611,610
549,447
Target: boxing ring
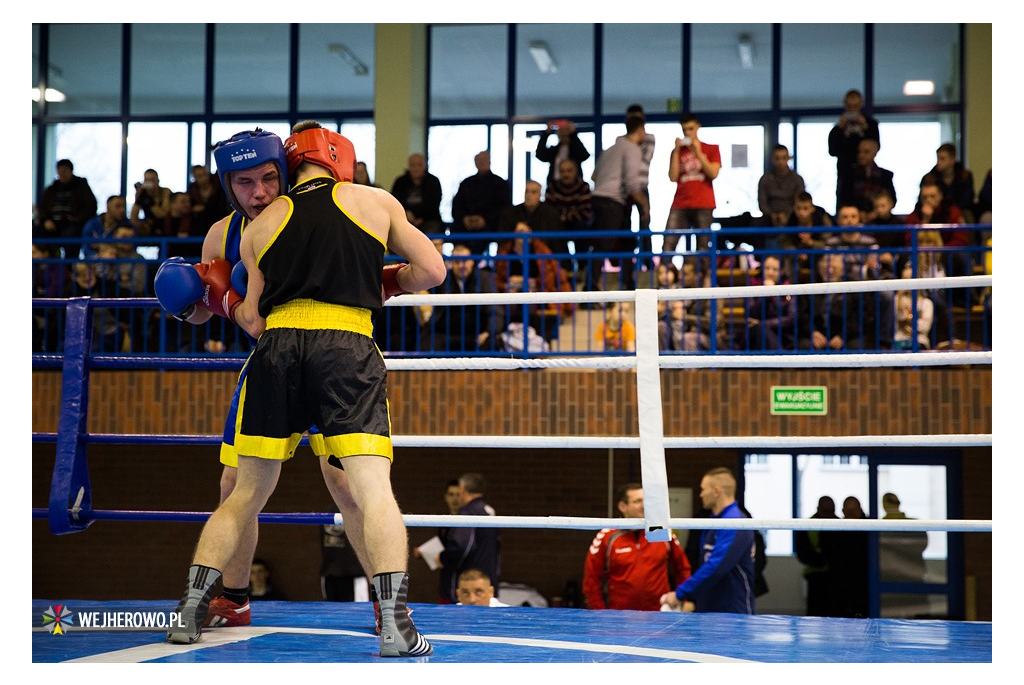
x,y
314,632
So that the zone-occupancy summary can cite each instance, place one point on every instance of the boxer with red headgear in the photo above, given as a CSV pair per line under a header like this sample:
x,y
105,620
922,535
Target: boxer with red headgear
x,y
253,168
322,147
314,260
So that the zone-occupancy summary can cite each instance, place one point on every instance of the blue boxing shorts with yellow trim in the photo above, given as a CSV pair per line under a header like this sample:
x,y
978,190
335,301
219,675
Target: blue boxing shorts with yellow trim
x,y
228,453
316,364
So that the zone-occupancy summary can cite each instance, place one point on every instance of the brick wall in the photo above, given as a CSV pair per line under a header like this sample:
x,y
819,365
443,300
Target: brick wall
x,y
148,560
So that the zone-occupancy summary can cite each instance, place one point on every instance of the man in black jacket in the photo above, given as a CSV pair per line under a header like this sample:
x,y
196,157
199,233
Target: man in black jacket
x,y
419,191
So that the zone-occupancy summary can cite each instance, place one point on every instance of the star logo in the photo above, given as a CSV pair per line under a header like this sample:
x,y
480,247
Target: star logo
x,y
57,618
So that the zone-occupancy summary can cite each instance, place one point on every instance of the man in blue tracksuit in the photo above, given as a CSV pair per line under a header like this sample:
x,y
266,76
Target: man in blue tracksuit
x,y
725,580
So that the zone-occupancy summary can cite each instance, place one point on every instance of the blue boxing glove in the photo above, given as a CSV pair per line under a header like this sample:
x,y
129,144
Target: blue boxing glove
x,y
240,278
178,287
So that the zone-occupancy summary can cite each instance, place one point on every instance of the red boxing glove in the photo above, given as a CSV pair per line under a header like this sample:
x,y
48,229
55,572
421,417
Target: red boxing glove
x,y
389,282
218,296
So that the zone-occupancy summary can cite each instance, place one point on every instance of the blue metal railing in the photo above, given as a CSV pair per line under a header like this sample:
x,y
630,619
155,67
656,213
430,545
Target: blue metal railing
x,y
961,317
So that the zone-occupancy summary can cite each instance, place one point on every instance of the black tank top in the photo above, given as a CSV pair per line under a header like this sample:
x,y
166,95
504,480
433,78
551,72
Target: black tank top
x,y
321,254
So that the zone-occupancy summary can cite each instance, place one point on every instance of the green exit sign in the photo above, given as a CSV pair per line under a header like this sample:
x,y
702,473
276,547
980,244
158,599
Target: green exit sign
x,y
799,400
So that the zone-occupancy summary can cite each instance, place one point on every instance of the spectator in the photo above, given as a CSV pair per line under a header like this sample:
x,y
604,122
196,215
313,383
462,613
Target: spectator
x,y
931,264
807,544
464,328
102,227
538,216
541,273
209,202
860,263
472,547
152,203
569,147
693,166
845,137
932,208
342,578
617,333
865,179
646,155
983,208
802,244
569,194
362,176
846,553
770,319
64,208
724,582
666,276
672,326
133,274
905,319
50,280
108,336
478,204
617,178
889,239
688,325
476,589
900,554
178,224
261,583
623,569
823,320
955,180
419,191
778,188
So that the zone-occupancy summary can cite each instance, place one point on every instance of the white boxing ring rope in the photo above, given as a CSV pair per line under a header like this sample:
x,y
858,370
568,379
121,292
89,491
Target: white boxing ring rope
x,y
652,442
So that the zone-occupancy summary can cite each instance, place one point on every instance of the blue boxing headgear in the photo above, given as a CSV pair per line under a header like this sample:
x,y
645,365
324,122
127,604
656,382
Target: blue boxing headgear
x,y
246,150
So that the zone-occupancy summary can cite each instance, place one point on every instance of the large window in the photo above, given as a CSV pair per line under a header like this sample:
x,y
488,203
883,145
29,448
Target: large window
x,y
554,69
474,87
85,66
654,50
732,67
156,89
820,62
336,66
251,69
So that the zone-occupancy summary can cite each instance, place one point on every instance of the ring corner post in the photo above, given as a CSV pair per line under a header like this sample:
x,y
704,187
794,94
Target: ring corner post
x,y
70,491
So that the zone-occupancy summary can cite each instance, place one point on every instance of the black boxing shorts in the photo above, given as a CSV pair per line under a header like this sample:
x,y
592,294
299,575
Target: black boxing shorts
x,y
315,364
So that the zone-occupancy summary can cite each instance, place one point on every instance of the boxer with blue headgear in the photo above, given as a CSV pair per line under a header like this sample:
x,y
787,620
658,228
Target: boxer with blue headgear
x,y
249,150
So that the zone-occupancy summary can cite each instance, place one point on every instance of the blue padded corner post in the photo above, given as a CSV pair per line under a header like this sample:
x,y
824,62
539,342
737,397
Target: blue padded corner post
x,y
70,493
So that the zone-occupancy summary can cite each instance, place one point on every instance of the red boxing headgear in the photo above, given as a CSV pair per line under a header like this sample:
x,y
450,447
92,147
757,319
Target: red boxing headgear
x,y
319,146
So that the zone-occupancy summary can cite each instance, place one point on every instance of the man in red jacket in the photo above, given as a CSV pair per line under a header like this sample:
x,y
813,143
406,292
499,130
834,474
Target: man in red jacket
x,y
624,570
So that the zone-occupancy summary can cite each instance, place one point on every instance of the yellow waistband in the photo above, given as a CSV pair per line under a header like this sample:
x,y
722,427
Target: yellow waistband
x,y
314,315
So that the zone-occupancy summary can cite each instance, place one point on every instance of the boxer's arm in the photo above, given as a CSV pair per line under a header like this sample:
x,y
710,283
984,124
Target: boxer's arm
x,y
213,244
426,266
247,313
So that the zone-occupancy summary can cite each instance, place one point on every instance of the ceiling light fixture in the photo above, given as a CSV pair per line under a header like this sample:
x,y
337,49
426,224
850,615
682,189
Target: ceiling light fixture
x,y
912,88
542,57
52,95
359,68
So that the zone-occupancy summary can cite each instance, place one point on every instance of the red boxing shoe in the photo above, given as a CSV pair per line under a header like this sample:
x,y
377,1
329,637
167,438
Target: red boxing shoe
x,y
226,614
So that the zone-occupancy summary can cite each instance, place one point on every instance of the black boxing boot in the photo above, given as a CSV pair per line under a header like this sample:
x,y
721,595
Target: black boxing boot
x,y
398,635
194,605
